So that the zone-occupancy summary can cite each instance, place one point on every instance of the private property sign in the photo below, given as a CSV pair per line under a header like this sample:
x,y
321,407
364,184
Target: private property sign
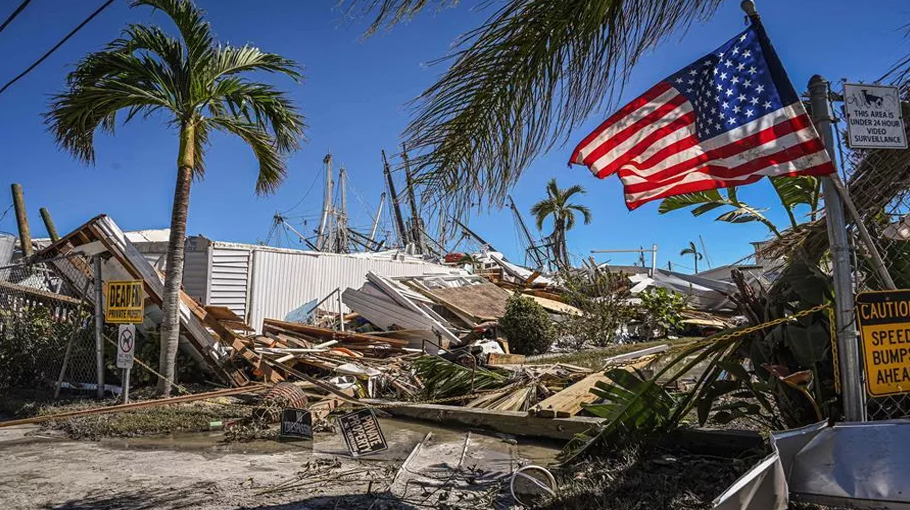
x,y
124,302
874,119
884,322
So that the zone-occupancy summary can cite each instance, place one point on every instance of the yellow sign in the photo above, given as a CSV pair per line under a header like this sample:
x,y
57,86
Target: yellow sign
x,y
124,302
884,324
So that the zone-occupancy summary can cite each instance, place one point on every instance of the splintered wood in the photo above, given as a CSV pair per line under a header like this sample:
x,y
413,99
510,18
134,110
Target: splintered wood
x,y
572,400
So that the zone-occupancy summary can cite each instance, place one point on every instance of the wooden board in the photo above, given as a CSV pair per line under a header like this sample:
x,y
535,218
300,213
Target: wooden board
x,y
509,422
571,400
483,301
345,337
495,359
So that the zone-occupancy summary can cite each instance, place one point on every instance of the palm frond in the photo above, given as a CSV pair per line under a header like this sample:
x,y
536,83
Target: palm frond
x,y
584,210
710,197
93,100
196,33
272,169
387,13
230,60
520,82
264,106
442,378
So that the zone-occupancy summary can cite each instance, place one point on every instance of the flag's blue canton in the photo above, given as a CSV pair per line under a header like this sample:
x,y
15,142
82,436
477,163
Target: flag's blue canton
x,y
729,87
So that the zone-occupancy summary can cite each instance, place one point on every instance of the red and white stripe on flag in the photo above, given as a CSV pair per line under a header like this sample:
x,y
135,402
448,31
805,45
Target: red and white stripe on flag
x,y
720,122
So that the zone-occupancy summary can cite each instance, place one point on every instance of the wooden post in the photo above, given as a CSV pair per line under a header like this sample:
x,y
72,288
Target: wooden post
x,y
49,224
25,236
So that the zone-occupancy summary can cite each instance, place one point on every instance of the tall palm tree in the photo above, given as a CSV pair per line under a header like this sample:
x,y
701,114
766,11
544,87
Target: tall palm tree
x,y
198,86
521,82
692,250
562,212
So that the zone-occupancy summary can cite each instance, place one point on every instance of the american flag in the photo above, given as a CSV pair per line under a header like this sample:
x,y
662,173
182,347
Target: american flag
x,y
729,119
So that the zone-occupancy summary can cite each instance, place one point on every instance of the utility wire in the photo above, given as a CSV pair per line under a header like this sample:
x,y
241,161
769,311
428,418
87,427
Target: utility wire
x,y
14,14
57,46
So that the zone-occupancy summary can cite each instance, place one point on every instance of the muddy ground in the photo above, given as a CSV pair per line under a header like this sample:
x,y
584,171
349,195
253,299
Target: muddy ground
x,y
42,470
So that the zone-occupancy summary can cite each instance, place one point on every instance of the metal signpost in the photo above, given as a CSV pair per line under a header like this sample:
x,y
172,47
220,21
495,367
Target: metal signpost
x,y
884,322
125,306
126,346
874,119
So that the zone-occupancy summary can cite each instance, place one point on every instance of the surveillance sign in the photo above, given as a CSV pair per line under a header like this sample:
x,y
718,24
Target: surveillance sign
x,y
874,119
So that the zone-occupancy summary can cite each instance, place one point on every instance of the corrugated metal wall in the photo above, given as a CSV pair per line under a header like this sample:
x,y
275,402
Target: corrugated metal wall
x,y
230,278
285,280
195,274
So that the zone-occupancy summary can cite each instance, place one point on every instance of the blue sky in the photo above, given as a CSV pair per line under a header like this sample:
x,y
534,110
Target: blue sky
x,y
354,97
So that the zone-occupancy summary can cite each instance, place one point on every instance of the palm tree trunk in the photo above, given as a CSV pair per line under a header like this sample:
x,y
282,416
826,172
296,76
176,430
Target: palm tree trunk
x,y
695,255
561,236
173,276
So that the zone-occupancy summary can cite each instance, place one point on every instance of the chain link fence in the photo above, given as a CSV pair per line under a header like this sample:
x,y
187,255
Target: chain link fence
x,y
878,181
47,324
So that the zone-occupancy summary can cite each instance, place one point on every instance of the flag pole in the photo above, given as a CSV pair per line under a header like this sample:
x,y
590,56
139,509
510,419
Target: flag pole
x,y
848,356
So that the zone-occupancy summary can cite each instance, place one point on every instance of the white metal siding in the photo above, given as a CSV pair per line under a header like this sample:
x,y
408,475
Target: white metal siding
x,y
195,274
285,280
229,281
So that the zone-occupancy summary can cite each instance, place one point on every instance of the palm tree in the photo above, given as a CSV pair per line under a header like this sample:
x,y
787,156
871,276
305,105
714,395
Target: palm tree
x,y
521,82
557,206
198,86
691,250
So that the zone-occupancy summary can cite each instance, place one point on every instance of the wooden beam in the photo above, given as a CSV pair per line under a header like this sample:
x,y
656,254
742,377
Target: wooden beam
x,y
496,359
509,422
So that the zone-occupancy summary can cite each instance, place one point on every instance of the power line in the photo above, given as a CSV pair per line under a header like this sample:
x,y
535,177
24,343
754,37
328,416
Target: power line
x,y
14,14
57,46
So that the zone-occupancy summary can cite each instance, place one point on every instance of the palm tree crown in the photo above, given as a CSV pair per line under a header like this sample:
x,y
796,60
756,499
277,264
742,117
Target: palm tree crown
x,y
692,250
194,81
558,207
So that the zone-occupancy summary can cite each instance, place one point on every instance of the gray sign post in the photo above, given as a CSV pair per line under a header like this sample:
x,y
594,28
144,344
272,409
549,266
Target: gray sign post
x,y
847,344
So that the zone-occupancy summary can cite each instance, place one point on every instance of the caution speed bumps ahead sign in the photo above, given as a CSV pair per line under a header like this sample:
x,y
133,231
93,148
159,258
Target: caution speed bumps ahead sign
x,y
124,302
884,323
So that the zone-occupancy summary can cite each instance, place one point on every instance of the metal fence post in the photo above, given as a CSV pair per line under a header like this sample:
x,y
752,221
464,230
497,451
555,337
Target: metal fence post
x,y
99,325
847,344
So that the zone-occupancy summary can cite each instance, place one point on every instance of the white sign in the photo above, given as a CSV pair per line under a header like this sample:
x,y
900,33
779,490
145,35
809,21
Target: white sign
x,y
874,118
126,344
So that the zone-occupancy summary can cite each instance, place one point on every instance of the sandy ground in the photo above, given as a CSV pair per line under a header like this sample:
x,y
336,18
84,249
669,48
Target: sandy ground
x,y
197,471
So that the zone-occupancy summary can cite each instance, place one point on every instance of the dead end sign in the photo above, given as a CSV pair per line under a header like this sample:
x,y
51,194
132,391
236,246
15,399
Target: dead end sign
x,y
884,323
124,302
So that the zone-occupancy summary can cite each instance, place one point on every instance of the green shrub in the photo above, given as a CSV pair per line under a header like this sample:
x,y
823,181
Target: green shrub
x,y
602,306
661,310
527,326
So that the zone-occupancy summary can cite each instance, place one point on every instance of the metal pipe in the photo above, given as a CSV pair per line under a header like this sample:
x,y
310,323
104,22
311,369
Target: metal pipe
x,y
25,235
49,224
399,221
653,259
847,345
99,325
376,218
326,203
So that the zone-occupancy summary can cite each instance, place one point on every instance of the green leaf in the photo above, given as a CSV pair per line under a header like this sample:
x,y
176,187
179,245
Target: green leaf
x,y
809,346
740,215
710,206
689,199
795,191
